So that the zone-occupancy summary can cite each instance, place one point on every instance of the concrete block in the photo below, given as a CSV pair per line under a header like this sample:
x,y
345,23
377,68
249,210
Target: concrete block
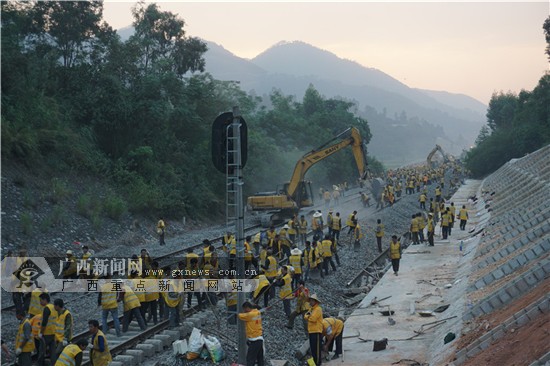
x,y
479,284
116,363
514,263
521,259
498,332
485,344
522,320
174,334
525,240
197,322
504,297
486,307
137,354
495,302
545,245
513,291
538,250
546,266
539,273
533,313
472,353
126,360
506,268
530,254
544,305
147,349
498,273
166,339
185,329
157,343
531,279
518,245
488,278
279,362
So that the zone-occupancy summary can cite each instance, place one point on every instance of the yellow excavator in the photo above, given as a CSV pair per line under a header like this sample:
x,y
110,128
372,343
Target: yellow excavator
x,y
446,157
288,199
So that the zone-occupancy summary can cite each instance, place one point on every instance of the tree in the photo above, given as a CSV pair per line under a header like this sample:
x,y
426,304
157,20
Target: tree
x,y
546,27
501,111
162,42
71,26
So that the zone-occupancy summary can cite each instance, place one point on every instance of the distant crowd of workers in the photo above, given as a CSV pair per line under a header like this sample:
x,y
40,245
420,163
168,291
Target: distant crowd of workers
x,y
48,328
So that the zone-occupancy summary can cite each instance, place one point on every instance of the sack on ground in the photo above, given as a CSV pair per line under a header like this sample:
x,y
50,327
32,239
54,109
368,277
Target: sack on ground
x,y
214,348
196,342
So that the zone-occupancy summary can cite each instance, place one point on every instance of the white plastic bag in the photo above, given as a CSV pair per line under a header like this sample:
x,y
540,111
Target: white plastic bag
x,y
214,348
196,341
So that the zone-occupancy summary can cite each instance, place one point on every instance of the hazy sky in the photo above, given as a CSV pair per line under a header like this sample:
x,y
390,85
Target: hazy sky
x,y
467,47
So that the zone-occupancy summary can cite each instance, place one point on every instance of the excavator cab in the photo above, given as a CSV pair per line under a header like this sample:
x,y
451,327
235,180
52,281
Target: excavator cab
x,y
303,195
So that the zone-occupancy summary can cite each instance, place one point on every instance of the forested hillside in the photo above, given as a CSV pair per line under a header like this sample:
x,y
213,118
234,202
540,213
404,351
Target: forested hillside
x,y
137,114
517,124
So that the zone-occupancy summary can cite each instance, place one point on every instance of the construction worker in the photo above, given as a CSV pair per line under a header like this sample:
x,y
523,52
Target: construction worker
x,y
445,219
36,324
86,262
326,254
257,243
336,226
463,216
63,328
24,342
422,200
302,229
253,328
305,257
231,303
47,331
329,222
69,270
365,199
139,285
395,253
145,258
296,261
72,354
431,228
379,233
161,229
314,318
293,229
437,194
271,233
172,299
193,274
107,299
248,254
284,242
317,224
152,296
452,213
270,268
315,258
99,354
421,225
327,197
352,219
262,289
285,294
357,236
414,230
131,306
302,304
35,306
230,243
398,189
333,330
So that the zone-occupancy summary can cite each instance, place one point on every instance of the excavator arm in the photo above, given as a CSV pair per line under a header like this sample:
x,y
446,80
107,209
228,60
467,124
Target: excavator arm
x,y
351,136
432,153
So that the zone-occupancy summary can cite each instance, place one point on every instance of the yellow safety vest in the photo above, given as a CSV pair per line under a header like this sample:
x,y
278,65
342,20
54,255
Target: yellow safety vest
x,y
101,358
68,356
262,282
286,289
414,226
379,230
357,233
336,223
151,288
172,298
247,252
295,261
272,267
350,220
395,252
430,225
130,300
291,230
231,299
29,345
60,326
108,298
445,219
326,248
52,321
190,256
303,227
421,223
463,214
34,307
36,323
